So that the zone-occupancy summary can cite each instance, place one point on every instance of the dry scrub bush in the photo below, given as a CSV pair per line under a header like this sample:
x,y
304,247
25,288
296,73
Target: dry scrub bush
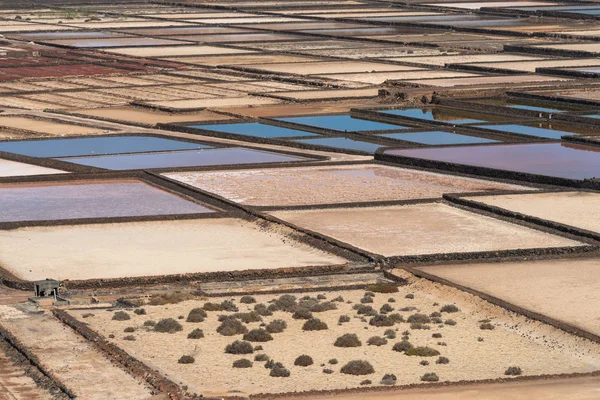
x,y
386,308
258,335
450,322
513,371
286,302
276,326
139,311
377,341
302,313
418,325
333,361
261,357
121,316
328,371
212,307
247,317
449,308
322,307
343,319
242,363
321,296
263,310
348,340
442,360
129,337
314,324
364,310
196,334
186,360
149,323
239,347
402,346
168,325
418,318
436,335
381,320
390,334
366,382
231,327
304,361
430,377
486,326
247,300
279,372
228,305
196,315
129,329
409,296
358,367
389,379
422,352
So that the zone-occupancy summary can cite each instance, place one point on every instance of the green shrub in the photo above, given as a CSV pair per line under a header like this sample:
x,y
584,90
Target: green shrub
x,y
358,367
242,363
168,325
196,334
196,315
422,352
186,360
121,316
258,335
239,347
276,326
348,340
314,324
304,361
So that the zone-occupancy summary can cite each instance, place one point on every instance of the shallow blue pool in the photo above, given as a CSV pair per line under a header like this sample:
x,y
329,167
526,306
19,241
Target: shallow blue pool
x,y
256,129
527,130
343,143
437,138
429,115
343,123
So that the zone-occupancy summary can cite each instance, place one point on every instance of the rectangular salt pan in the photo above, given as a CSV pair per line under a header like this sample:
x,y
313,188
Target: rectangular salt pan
x,y
438,138
95,146
549,159
256,130
343,123
48,201
228,156
343,143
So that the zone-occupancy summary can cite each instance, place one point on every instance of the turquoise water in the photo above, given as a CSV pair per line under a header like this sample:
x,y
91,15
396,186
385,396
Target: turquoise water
x,y
343,123
429,115
437,138
343,143
256,129
192,158
527,130
96,146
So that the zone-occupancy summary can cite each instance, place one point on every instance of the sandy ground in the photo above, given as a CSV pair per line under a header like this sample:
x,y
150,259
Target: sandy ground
x,y
15,385
566,290
591,47
336,184
330,94
380,77
241,59
534,347
152,248
529,66
463,58
73,360
220,102
420,229
564,389
579,209
330,67
489,80
143,116
50,127
14,168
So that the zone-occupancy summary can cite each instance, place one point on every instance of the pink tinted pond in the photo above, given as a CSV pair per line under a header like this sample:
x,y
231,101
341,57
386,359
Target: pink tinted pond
x,y
550,159
100,199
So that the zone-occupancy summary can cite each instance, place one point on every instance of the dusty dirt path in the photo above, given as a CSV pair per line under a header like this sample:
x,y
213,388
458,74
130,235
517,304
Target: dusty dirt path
x,y
562,389
15,385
